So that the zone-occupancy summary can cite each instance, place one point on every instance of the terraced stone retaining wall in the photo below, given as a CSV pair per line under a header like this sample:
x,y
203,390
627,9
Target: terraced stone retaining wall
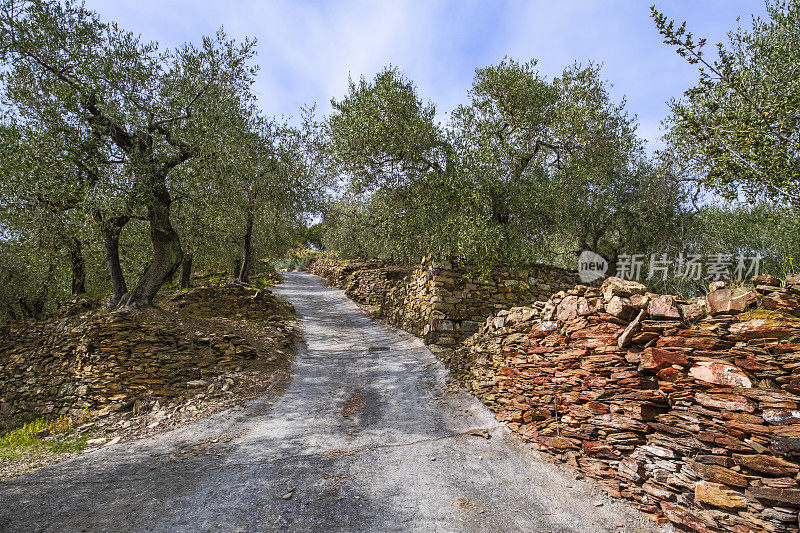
x,y
440,302
367,282
689,409
65,365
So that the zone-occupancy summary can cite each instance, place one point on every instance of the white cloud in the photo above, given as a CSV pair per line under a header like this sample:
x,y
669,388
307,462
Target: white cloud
x,y
308,48
307,51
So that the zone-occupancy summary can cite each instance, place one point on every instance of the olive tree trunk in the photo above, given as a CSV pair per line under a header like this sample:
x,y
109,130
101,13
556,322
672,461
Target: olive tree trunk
x,y
167,251
78,267
111,228
244,268
151,170
185,277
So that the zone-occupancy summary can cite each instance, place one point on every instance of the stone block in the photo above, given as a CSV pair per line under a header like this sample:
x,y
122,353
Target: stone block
x,y
619,287
719,495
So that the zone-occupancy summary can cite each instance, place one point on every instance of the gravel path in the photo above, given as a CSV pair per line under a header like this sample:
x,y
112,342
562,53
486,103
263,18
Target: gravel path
x,y
367,437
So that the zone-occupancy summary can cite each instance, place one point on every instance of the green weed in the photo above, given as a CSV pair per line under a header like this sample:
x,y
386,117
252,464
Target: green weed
x,y
787,266
25,441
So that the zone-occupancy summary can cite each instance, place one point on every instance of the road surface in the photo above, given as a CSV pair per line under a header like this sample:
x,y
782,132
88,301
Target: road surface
x,y
368,436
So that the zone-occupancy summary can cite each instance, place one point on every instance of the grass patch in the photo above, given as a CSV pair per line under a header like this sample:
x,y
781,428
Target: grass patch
x,y
25,441
69,444
262,281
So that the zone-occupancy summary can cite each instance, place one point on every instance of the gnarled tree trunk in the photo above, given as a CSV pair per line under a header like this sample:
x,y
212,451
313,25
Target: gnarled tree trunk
x,y
78,267
244,268
186,271
111,229
151,170
167,251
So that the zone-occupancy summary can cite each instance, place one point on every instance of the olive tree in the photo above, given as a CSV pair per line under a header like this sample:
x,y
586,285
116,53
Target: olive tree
x,y
740,124
158,109
383,140
557,166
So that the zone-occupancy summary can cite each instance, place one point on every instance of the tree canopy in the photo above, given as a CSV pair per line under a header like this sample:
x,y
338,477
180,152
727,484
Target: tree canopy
x,y
529,170
740,125
124,163
123,147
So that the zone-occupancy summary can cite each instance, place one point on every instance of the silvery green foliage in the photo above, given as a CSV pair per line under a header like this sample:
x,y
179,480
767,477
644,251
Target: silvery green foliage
x,y
738,129
529,169
101,126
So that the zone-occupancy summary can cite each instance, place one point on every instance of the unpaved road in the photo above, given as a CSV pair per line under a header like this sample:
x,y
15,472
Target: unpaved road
x,y
367,433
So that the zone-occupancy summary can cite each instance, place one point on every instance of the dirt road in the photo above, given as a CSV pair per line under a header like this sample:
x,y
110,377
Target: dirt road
x,y
367,437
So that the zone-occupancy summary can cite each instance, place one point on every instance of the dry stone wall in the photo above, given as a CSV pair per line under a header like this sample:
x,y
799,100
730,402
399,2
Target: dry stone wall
x,y
65,365
232,301
689,409
440,302
368,283
444,305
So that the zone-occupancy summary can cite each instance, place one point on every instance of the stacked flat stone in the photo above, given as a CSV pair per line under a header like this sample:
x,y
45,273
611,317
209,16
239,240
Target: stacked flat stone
x,y
440,302
65,365
689,409
367,283
232,301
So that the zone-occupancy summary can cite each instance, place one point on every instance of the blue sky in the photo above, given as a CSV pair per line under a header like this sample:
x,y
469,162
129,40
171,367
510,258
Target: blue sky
x,y
307,49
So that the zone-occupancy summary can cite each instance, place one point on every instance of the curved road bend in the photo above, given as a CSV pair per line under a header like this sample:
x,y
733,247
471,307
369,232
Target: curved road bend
x,y
367,434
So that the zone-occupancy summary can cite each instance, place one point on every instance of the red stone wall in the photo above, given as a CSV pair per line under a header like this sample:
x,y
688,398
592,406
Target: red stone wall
x,y
689,409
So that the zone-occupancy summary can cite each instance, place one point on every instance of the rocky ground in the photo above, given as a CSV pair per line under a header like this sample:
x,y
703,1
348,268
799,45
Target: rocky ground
x,y
149,418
